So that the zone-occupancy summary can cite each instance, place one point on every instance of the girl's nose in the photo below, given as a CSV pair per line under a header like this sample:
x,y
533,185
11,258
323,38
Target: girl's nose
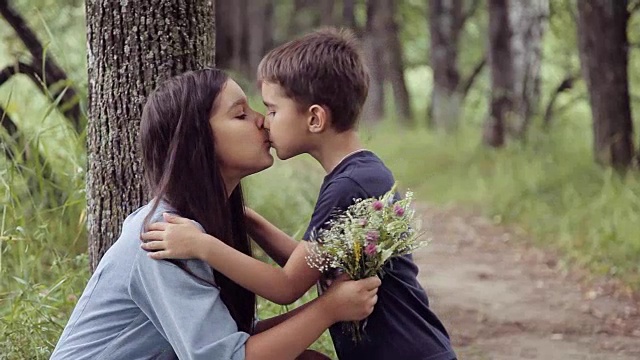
x,y
260,121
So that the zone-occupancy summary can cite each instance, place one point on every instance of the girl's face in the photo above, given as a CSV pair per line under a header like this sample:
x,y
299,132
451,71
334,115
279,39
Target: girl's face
x,y
242,143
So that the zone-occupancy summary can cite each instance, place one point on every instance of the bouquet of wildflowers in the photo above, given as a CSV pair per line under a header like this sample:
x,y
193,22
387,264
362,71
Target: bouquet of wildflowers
x,y
362,239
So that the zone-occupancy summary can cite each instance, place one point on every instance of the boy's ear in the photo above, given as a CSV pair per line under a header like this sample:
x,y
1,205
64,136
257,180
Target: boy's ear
x,y
318,120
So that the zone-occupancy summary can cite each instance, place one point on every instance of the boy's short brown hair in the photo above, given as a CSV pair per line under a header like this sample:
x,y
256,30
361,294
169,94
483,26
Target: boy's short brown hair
x,y
324,67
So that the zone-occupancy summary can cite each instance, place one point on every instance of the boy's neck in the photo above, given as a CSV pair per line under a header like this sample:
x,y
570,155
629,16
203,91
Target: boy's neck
x,y
335,147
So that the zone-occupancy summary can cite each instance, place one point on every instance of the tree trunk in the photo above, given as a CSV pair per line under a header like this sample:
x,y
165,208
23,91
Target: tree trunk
x,y
445,23
349,14
259,33
515,39
373,111
226,20
394,62
528,21
239,30
326,17
603,44
304,17
502,73
131,48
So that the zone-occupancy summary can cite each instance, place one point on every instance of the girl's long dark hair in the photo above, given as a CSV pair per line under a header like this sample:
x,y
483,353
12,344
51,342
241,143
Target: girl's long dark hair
x,y
181,167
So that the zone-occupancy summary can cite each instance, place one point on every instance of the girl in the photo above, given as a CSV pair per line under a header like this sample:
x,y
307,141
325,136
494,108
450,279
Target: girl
x,y
199,138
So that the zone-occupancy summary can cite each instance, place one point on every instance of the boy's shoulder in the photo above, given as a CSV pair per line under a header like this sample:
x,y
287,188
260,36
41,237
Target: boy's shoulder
x,y
360,176
364,173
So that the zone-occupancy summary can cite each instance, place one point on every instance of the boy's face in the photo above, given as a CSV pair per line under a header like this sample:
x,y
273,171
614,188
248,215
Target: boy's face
x,y
287,125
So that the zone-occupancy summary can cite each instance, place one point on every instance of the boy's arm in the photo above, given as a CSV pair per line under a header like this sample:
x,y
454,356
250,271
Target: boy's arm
x,y
181,238
275,242
280,285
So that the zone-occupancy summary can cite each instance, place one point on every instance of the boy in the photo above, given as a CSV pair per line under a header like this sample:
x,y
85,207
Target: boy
x,y
314,88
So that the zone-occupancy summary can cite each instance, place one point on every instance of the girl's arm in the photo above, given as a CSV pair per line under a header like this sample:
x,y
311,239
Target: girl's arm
x,y
344,301
180,238
175,300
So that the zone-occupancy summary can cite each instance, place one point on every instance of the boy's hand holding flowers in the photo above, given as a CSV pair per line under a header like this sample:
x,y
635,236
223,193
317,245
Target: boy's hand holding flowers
x,y
361,240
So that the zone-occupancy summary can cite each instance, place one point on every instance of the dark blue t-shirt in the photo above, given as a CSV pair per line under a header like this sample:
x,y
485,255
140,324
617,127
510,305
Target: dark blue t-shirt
x,y
401,327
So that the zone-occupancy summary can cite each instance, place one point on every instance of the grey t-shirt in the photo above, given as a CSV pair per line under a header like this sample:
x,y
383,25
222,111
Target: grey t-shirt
x,y
135,307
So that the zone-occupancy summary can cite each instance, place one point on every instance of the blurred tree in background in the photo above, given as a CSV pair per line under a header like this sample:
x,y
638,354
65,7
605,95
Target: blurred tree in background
x,y
604,56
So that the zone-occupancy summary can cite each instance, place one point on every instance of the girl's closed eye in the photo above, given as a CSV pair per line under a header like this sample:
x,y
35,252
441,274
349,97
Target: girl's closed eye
x,y
271,113
242,116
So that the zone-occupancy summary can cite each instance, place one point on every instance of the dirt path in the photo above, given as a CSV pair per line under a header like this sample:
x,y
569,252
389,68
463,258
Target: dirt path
x,y
503,300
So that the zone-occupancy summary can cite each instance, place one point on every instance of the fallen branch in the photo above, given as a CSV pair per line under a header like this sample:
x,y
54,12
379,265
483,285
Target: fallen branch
x,y
49,73
12,129
23,157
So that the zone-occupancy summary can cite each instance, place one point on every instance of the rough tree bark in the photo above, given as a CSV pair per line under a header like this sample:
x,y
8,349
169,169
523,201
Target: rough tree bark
x,y
603,44
132,46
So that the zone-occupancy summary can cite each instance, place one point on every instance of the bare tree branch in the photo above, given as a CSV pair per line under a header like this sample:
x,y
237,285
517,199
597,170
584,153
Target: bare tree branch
x,y
469,13
565,85
20,68
468,83
50,73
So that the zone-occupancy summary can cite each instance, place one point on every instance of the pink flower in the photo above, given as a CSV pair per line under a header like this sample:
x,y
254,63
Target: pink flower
x,y
373,236
399,210
377,205
371,249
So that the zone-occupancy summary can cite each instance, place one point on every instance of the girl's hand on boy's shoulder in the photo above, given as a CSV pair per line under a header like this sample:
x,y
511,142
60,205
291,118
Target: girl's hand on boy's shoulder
x,y
176,238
